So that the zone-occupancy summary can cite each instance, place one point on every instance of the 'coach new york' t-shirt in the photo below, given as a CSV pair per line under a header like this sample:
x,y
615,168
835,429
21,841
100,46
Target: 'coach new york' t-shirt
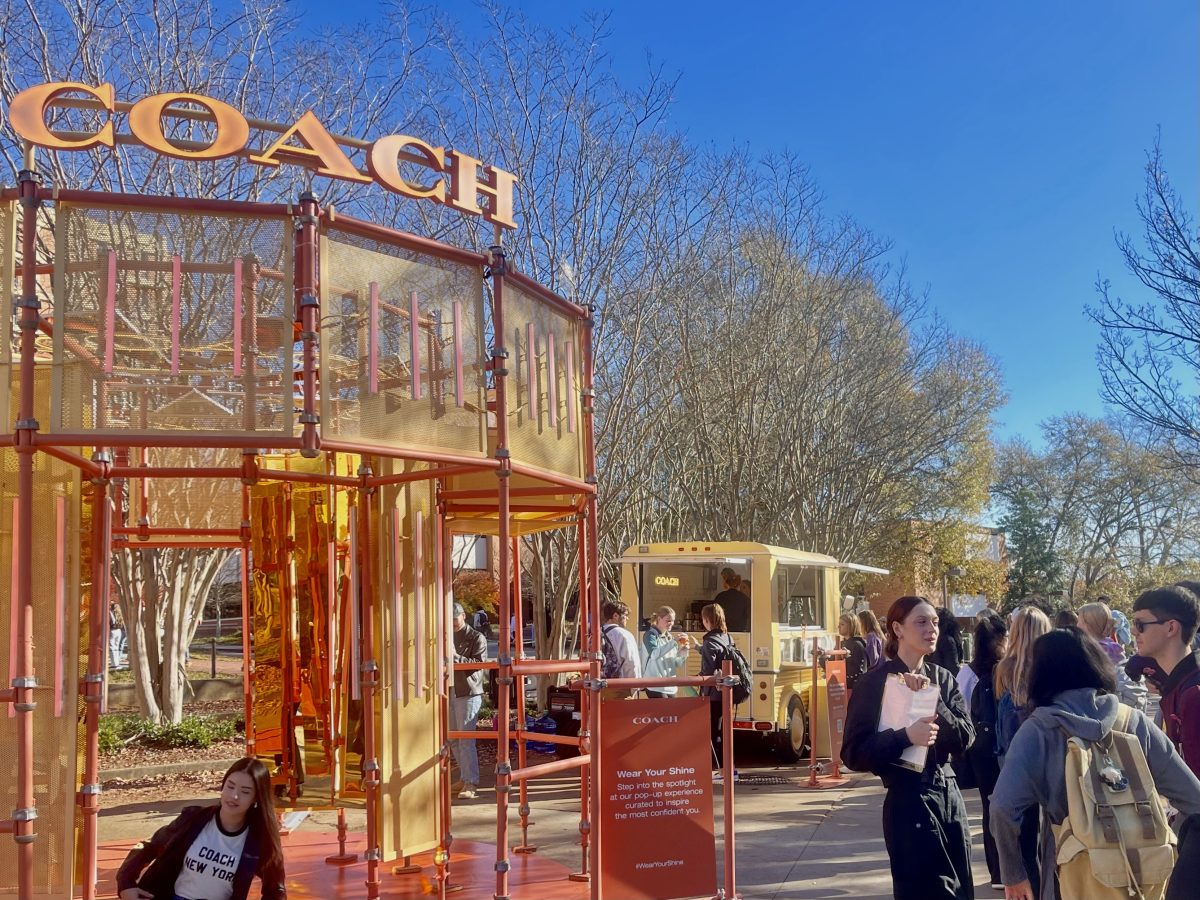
x,y
211,862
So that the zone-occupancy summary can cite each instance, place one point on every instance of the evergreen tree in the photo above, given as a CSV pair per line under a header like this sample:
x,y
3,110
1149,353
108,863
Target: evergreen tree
x,y
1034,569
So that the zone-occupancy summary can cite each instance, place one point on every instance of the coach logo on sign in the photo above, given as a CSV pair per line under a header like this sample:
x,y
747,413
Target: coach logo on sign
x,y
458,182
654,720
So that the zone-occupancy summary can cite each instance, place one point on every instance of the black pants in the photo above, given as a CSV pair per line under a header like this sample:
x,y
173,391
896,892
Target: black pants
x,y
1186,876
714,723
1030,831
928,841
987,771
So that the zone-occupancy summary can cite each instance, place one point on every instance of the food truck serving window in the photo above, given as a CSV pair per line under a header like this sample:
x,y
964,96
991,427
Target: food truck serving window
x,y
686,587
800,597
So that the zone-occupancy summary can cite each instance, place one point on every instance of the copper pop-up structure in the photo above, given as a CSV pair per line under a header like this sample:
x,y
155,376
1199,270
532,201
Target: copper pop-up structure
x,y
356,395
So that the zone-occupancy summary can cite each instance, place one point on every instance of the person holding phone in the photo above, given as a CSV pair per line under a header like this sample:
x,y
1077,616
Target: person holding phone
x,y
925,824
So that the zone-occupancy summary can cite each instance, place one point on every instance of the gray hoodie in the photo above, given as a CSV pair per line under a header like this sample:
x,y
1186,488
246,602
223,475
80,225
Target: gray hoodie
x,y
1034,772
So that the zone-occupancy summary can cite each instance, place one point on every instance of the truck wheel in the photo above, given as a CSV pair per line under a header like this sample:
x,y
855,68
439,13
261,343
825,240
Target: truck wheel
x,y
792,742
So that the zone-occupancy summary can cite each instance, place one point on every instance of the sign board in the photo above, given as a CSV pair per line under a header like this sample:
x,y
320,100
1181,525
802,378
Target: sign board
x,y
835,691
400,163
656,803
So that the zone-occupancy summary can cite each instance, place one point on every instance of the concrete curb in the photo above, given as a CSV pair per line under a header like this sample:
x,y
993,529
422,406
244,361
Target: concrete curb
x,y
124,696
179,768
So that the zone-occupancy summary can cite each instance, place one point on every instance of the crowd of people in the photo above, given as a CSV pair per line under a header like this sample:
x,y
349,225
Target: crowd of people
x,y
1086,759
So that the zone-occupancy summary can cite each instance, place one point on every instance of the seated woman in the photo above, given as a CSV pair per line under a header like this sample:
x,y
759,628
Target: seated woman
x,y
213,852
1072,688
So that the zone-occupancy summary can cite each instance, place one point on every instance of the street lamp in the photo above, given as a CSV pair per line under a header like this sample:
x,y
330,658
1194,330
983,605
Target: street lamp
x,y
953,572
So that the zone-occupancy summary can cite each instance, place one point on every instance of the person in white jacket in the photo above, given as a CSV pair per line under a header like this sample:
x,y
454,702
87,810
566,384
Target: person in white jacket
x,y
663,654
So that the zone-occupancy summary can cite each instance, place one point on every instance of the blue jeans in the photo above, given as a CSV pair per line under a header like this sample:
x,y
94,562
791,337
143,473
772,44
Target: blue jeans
x,y
116,639
464,712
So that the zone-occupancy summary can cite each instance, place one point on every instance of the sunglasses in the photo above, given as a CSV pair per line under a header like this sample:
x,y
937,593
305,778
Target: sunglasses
x,y
1142,624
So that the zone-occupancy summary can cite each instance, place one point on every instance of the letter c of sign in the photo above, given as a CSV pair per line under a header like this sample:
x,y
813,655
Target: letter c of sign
x,y
383,162
145,122
27,115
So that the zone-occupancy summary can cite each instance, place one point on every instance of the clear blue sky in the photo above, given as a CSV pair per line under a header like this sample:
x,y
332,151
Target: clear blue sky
x,y
996,144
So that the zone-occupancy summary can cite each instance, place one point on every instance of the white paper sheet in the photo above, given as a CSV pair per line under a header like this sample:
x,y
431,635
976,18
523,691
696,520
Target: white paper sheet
x,y
901,707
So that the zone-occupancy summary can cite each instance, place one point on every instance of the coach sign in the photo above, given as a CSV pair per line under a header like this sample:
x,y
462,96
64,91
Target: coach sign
x,y
656,800
455,178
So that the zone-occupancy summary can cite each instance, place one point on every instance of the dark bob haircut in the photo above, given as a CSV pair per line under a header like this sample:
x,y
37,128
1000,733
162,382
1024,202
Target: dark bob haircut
x,y
1068,658
990,632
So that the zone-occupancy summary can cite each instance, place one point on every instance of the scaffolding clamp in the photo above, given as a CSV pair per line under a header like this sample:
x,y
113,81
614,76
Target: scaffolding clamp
x,y
309,418
585,827
594,684
91,789
25,681
373,855
523,810
25,814
502,865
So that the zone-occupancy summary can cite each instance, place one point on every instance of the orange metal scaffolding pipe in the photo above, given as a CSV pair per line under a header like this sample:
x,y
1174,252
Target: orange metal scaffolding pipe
x,y
85,465
273,439
519,695
559,765
247,656
25,431
369,675
503,474
92,689
307,319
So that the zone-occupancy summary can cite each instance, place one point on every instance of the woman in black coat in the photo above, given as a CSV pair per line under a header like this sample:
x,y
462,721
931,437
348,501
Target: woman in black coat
x,y
213,852
990,636
924,819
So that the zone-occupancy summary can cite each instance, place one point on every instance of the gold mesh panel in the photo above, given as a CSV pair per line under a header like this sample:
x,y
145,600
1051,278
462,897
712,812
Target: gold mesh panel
x,y
57,540
407,620
174,321
544,380
184,502
373,387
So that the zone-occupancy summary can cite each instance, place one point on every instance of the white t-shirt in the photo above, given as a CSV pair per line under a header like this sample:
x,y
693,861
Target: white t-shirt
x,y
210,863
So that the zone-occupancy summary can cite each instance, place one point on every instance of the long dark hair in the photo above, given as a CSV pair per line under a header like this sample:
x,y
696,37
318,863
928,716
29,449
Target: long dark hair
x,y
898,613
1068,658
262,814
990,633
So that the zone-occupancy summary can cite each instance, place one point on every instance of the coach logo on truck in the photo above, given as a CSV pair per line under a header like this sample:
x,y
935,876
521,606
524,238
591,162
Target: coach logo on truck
x,y
666,581
457,182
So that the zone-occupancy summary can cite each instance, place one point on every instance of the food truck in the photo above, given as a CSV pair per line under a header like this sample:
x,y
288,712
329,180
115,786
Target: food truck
x,y
795,598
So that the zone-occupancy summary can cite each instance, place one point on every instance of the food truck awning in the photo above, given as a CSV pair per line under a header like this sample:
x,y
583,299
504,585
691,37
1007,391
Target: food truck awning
x,y
859,567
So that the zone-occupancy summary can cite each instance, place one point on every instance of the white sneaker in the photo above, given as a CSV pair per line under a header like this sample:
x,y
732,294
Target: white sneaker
x,y
468,792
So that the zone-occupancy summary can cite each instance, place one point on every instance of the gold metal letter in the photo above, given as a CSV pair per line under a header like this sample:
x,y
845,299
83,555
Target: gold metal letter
x,y
145,122
320,150
27,115
384,164
466,186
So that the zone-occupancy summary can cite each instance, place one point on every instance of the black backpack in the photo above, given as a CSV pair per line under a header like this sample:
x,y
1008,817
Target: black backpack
x,y
741,671
611,666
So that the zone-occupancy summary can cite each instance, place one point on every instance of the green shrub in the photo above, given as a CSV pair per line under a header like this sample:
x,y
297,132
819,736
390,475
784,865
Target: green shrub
x,y
118,730
200,732
192,731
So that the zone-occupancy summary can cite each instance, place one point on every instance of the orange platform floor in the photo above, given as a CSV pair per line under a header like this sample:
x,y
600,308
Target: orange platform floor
x,y
309,876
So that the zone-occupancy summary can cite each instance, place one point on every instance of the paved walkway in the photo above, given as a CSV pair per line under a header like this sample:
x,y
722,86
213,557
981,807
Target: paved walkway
x,y
793,843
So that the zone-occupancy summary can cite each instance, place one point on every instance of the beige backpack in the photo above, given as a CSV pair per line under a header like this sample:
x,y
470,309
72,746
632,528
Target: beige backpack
x,y
1115,842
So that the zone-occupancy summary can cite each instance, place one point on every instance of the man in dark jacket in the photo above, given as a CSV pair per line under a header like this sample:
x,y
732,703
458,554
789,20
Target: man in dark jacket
x,y
1164,624
469,646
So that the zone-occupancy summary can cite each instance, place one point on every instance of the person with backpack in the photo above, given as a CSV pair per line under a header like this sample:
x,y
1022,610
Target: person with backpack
x,y
951,648
990,637
925,826
1010,681
716,647
1096,768
1164,624
619,647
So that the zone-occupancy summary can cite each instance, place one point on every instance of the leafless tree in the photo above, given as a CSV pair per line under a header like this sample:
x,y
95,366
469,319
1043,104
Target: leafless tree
x,y
1149,352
